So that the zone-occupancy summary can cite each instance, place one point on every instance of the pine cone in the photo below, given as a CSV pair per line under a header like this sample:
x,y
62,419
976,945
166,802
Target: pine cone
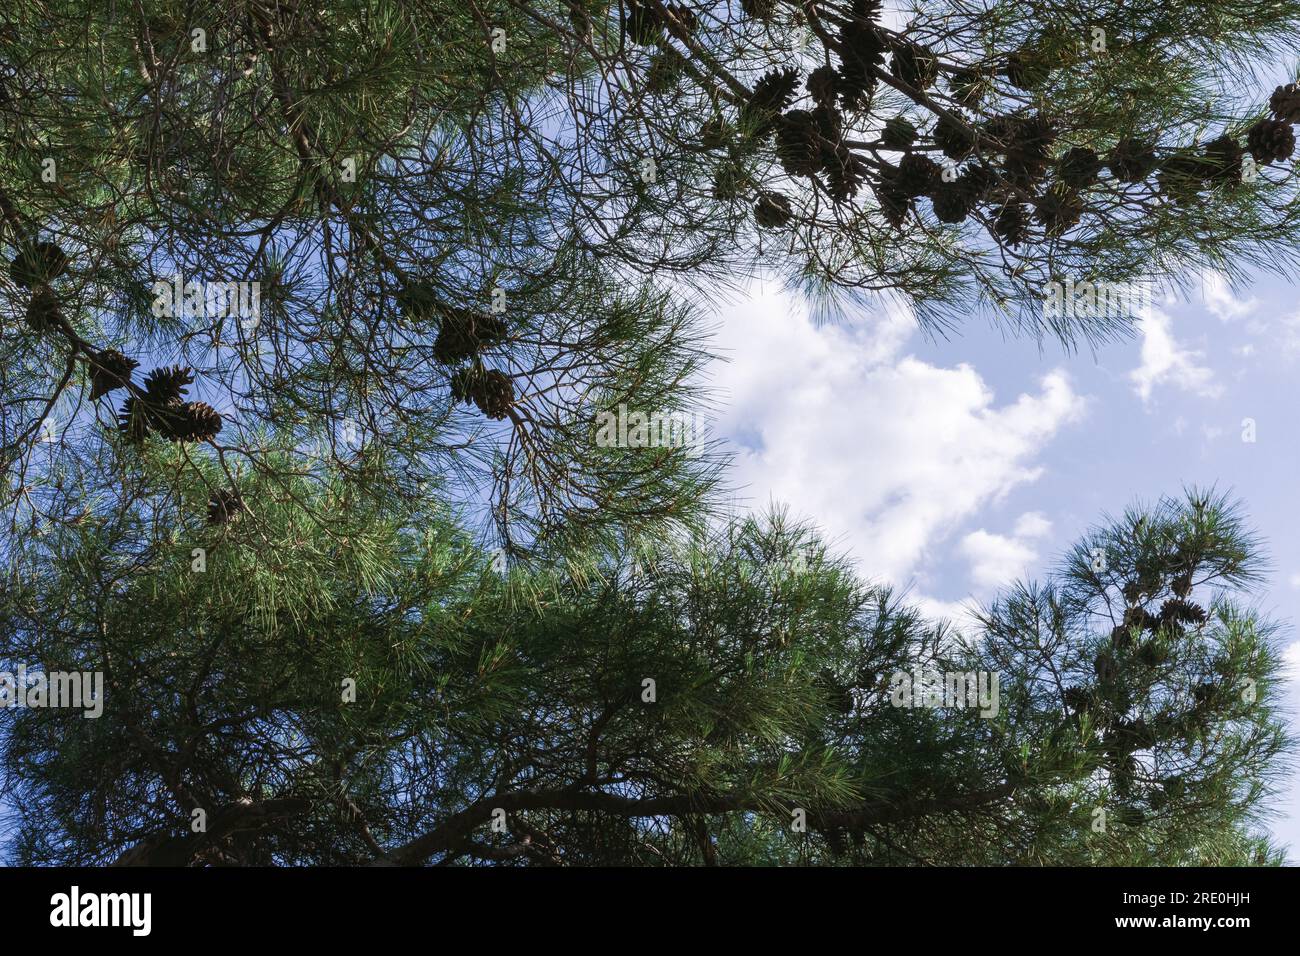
x,y
1079,168
918,175
417,300
1181,585
1153,653
493,393
1271,141
953,138
758,9
37,264
1223,160
461,383
109,370
1030,150
898,134
798,143
1012,225
968,87
1132,160
951,203
43,312
829,125
1027,68
822,84
727,181
166,386
1183,612
1182,176
225,506
643,25
771,95
1105,667
861,49
133,419
914,65
1077,699
772,211
462,334
977,182
1285,103
1059,210
844,174
715,133
1139,618
189,422
894,202
666,69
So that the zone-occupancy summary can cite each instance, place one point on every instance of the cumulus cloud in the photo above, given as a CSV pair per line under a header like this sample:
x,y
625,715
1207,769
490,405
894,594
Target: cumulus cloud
x,y
1221,301
997,559
887,452
1164,361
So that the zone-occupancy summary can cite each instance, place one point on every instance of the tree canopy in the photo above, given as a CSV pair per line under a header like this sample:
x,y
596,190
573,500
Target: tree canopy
x,y
309,317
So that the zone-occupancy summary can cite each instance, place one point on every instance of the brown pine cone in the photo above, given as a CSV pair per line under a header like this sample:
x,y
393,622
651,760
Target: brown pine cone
x,y
1012,225
1285,103
37,264
1133,160
1079,168
109,370
43,312
772,211
493,393
225,506
1271,141
955,140
798,143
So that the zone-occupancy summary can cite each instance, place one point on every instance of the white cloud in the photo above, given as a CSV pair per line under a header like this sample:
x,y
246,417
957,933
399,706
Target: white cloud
x,y
1220,300
997,559
960,614
886,452
1291,661
1165,361
1033,524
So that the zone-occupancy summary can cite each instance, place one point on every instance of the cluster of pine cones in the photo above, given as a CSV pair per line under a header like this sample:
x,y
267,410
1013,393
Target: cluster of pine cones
x,y
489,389
36,265
463,336
646,25
162,409
1017,154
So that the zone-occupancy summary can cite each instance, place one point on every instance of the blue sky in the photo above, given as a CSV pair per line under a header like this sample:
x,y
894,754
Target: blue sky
x,y
953,467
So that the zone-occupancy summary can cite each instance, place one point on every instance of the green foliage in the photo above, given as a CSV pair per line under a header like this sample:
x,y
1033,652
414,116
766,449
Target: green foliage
x,y
428,205
771,664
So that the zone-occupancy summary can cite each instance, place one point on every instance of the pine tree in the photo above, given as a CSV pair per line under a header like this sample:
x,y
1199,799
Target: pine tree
x,y
684,701
330,554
